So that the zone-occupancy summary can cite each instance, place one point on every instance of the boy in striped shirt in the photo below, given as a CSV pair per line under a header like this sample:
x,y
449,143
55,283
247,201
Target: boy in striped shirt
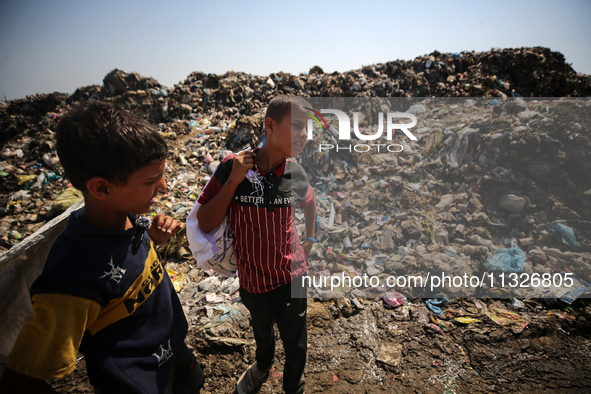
x,y
260,190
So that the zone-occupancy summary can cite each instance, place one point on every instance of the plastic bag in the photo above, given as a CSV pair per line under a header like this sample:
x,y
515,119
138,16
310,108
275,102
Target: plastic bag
x,y
213,250
506,260
564,234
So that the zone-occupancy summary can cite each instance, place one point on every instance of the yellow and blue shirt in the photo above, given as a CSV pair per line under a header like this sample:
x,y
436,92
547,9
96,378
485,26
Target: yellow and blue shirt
x,y
119,309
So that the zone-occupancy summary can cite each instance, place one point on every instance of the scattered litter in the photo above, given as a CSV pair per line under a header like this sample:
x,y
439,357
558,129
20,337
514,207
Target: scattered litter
x,y
434,304
394,299
176,278
466,320
564,234
504,317
506,260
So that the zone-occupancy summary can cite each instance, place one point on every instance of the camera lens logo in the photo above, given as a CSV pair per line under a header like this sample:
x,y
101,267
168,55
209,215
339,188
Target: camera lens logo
x,y
344,130
316,115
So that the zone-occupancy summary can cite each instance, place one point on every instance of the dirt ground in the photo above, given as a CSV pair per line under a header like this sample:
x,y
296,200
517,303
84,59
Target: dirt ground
x,y
378,350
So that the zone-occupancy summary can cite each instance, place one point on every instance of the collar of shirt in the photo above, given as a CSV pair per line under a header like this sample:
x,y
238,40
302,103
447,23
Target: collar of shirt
x,y
278,171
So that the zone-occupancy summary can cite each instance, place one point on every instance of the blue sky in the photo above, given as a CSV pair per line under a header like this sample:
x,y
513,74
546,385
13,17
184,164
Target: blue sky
x,y
60,45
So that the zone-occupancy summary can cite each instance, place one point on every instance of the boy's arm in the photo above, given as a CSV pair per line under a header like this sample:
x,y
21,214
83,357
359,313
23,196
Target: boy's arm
x,y
211,214
15,382
310,221
47,345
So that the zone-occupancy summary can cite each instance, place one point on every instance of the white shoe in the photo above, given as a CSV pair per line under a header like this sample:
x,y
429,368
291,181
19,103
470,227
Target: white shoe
x,y
248,384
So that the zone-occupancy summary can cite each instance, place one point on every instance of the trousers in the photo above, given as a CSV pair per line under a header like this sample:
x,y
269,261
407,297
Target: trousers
x,y
286,306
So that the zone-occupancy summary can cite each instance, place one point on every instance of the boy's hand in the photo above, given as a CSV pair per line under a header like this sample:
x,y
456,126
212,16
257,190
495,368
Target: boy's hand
x,y
163,228
307,244
243,162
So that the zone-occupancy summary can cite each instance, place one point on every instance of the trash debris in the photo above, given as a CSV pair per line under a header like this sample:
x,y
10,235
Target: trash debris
x,y
435,328
466,320
575,293
394,299
564,234
497,181
390,354
506,260
434,304
176,278
504,317
512,203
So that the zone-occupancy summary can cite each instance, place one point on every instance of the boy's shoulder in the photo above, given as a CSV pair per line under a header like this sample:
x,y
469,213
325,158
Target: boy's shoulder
x,y
223,169
82,261
296,169
229,157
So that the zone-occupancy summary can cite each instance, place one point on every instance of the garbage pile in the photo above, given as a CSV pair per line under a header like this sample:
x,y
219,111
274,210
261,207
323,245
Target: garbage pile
x,y
490,185
497,182
208,114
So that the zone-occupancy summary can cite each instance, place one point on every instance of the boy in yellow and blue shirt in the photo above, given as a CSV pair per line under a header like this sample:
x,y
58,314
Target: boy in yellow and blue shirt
x,y
104,291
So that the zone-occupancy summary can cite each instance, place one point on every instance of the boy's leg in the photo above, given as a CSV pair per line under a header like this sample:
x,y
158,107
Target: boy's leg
x,y
291,321
262,319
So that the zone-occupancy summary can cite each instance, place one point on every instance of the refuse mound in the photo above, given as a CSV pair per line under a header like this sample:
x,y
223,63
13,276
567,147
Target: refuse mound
x,y
502,181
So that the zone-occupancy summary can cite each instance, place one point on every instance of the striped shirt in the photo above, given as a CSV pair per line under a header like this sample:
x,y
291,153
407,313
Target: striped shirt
x,y
268,249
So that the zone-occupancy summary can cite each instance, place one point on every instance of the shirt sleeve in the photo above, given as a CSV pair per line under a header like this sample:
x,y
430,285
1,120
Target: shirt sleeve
x,y
219,177
309,199
48,343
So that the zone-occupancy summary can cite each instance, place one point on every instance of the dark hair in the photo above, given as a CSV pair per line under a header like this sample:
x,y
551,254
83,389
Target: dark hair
x,y
105,140
281,105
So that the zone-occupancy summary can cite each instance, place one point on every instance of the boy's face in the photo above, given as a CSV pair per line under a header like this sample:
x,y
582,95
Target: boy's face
x,y
290,135
139,192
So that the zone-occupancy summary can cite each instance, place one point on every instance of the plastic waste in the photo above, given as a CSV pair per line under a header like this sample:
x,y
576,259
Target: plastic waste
x,y
503,317
506,260
466,320
445,202
393,300
66,199
570,296
564,234
435,328
518,304
512,203
434,304
176,279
